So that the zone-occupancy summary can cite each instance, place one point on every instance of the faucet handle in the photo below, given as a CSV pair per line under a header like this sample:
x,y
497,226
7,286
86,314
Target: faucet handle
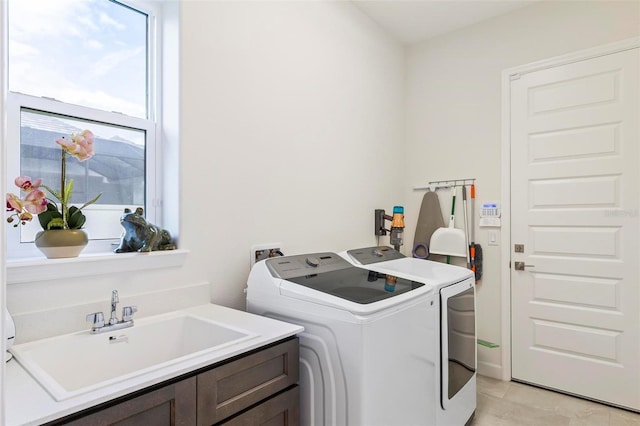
x,y
114,296
97,319
128,311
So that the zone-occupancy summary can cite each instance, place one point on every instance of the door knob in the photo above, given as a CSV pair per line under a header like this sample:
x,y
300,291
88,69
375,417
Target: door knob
x,y
520,266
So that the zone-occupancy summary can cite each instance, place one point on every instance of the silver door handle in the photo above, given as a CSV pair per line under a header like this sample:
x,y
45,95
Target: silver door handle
x,y
519,266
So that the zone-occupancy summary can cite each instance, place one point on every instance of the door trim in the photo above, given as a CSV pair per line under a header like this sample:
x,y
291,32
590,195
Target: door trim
x,y
505,253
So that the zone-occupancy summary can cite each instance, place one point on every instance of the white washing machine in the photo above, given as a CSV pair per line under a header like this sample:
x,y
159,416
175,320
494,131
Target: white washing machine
x,y
367,355
455,384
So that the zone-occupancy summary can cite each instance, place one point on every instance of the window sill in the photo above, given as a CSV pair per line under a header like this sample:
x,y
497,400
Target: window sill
x,y
21,271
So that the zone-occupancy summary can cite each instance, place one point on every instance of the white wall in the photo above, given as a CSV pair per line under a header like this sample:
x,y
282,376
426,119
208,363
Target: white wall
x,y
3,289
291,131
453,118
293,122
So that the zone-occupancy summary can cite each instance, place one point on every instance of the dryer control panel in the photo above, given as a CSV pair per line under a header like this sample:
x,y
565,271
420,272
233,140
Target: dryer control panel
x,y
305,264
369,255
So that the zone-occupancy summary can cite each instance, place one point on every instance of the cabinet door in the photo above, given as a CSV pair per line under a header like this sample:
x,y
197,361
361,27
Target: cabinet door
x,y
172,405
239,384
281,410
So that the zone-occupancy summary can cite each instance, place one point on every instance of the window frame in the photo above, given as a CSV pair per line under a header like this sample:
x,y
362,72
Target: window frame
x,y
15,101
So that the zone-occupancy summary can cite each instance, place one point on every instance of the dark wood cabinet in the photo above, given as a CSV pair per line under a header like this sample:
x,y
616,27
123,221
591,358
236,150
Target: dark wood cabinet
x,y
170,405
232,387
280,410
258,388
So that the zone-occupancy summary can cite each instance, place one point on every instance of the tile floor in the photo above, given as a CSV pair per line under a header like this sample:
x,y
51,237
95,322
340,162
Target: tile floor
x,y
514,404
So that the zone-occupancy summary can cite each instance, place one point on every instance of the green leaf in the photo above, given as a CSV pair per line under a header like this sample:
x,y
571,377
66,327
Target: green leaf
x,y
56,223
68,190
75,219
55,194
49,215
93,200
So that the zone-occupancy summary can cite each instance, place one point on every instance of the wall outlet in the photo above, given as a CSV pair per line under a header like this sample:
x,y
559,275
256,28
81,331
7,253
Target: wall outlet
x,y
264,251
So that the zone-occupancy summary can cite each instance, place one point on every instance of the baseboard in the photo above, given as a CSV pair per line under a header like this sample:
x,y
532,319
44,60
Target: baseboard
x,y
490,370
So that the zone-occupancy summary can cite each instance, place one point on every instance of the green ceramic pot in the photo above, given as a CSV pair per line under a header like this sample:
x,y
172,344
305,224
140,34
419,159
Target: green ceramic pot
x,y
60,243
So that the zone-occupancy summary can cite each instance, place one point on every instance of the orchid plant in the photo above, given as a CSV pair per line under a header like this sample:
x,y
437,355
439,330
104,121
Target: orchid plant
x,y
23,209
50,214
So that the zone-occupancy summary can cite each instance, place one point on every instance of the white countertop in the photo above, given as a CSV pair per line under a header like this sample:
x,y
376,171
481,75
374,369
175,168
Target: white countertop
x,y
28,403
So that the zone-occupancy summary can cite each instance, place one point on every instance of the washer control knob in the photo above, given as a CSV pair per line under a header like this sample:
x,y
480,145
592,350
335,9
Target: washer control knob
x,y
378,253
312,261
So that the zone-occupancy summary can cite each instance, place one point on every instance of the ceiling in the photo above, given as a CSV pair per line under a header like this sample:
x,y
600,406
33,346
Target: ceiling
x,y
411,21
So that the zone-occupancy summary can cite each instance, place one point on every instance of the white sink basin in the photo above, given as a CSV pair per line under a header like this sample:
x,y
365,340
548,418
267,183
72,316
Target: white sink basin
x,y
74,364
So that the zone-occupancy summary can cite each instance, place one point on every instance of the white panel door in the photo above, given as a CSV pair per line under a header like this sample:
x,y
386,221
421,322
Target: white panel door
x,y
575,207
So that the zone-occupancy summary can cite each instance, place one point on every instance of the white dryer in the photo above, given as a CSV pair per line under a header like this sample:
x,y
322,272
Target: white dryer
x,y
454,315
367,355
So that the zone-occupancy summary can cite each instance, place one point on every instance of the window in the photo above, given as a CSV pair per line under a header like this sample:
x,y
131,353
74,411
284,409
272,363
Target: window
x,y
75,65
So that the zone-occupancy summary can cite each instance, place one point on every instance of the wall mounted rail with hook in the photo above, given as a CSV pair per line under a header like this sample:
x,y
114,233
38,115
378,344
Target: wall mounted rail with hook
x,y
436,184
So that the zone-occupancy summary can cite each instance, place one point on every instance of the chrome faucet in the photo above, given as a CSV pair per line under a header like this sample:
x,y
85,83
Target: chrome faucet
x,y
97,318
114,302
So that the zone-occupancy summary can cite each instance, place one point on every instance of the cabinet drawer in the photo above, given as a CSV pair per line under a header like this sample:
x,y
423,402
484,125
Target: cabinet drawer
x,y
172,405
281,410
234,386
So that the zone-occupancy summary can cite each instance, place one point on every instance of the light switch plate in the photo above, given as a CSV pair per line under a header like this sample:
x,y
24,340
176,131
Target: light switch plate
x,y
493,238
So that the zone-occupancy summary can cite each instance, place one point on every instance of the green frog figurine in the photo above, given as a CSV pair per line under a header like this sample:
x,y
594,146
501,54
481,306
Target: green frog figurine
x,y
142,236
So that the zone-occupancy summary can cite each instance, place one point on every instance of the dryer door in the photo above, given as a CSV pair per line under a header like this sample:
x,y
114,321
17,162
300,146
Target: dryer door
x,y
458,339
